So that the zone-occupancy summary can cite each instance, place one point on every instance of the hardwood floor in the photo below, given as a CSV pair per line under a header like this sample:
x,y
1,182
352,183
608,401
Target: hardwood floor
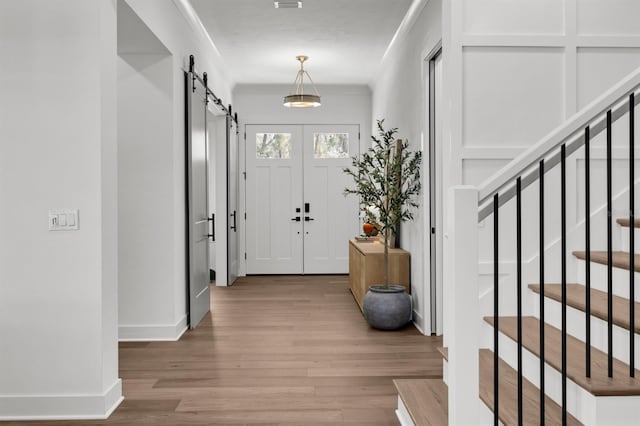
x,y
276,350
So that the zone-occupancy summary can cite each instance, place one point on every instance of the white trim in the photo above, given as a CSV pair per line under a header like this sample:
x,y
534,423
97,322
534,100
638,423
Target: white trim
x,y
418,322
405,26
62,407
152,332
403,414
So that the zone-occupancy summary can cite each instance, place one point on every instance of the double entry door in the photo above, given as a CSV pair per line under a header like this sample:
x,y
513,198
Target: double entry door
x,y
298,220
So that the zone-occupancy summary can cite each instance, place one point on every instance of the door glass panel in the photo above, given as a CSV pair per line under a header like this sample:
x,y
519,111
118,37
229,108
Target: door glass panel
x,y
273,145
330,145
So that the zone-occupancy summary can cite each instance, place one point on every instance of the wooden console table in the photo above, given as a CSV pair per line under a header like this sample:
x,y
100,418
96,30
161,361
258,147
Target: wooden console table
x,y
366,267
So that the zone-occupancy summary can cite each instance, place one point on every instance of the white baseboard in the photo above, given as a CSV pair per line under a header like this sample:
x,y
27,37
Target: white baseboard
x,y
418,322
61,407
153,332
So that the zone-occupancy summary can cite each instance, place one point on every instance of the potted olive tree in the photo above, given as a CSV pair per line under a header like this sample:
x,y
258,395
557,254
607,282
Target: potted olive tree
x,y
387,179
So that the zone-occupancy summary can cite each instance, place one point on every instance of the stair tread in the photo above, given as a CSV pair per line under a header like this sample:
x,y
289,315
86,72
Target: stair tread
x,y
625,222
508,388
426,400
599,384
620,258
576,299
444,352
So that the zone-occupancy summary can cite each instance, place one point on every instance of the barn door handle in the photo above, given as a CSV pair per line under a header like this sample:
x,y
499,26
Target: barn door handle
x,y
233,215
212,219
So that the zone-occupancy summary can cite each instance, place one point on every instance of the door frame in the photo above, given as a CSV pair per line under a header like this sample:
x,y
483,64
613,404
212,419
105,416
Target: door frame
x,y
433,197
363,145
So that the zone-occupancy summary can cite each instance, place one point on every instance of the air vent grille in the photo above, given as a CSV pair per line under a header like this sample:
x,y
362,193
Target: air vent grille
x,y
287,4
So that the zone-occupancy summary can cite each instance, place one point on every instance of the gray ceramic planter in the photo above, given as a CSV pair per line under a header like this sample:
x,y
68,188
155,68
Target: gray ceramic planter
x,y
387,307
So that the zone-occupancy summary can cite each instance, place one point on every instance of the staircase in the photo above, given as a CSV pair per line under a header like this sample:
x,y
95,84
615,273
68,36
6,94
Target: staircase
x,y
568,341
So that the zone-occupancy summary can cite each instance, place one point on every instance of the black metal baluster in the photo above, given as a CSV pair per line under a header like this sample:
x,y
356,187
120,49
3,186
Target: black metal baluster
x,y
542,395
563,214
519,289
587,243
632,251
496,404
609,255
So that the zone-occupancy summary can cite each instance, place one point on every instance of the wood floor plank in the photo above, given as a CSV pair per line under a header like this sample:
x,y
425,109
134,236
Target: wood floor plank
x,y
576,298
277,350
599,384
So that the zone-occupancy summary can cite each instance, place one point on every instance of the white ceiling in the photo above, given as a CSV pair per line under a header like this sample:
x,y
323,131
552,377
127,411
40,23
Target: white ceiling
x,y
344,39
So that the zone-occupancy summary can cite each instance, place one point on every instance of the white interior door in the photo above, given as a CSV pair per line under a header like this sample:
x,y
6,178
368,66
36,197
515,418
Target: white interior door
x,y
197,201
232,200
273,193
330,218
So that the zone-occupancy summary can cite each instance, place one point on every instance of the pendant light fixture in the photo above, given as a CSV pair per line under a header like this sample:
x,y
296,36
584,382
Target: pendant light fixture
x,y
297,98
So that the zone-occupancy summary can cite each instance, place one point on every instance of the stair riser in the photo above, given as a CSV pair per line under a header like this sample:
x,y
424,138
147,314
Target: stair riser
x,y
587,408
599,279
576,328
624,238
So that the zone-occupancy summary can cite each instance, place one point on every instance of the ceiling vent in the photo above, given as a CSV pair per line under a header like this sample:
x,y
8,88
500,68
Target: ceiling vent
x,y
287,4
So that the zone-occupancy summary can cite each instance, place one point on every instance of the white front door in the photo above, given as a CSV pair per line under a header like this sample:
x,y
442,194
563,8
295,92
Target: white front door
x,y
328,150
298,220
274,192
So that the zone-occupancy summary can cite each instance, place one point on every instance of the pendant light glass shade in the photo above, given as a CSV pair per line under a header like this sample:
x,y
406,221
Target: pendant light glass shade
x,y
297,98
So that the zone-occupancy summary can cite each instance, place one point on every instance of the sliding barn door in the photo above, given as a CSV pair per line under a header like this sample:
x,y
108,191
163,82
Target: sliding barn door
x,y
197,200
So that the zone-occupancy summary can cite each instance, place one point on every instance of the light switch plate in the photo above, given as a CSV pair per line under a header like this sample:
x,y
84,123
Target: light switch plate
x,y
63,220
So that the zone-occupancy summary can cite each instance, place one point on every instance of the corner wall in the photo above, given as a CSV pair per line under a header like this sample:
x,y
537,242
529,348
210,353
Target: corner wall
x,y
155,306
58,289
399,95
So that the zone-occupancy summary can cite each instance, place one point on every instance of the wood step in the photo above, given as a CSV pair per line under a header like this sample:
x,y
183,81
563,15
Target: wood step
x,y
576,299
599,384
508,389
444,352
625,222
620,258
426,400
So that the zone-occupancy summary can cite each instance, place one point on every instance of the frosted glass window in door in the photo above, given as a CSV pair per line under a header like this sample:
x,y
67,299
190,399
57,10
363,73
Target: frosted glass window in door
x,y
330,145
273,145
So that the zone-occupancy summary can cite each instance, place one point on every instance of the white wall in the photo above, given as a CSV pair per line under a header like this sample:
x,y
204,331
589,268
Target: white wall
x,y
262,104
146,239
399,96
58,290
513,74
162,315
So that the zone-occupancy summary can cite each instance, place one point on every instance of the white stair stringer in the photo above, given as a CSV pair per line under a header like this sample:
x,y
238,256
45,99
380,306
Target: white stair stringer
x,y
587,408
576,328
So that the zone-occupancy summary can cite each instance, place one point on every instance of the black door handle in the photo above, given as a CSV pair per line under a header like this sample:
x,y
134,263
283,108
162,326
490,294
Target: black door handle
x,y
307,218
296,219
234,221
212,219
